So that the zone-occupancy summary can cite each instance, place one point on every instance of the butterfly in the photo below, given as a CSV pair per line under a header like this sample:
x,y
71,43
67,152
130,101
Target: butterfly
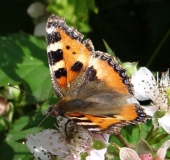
x,y
94,91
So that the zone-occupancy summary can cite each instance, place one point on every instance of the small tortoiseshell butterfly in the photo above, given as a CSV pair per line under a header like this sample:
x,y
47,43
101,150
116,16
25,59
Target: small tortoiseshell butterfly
x,y
93,89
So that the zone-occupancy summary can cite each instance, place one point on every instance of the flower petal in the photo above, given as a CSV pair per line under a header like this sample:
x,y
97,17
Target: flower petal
x,y
161,153
102,137
128,154
36,148
97,154
150,110
52,141
39,29
164,122
68,142
143,80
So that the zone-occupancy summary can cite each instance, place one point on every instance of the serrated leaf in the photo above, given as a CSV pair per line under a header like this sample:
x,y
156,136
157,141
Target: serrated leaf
x,y
131,133
23,60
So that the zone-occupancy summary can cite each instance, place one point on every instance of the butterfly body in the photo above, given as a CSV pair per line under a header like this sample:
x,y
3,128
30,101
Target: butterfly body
x,y
93,89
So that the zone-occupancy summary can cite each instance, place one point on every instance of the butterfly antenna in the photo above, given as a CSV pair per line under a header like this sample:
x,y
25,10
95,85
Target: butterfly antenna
x,y
10,85
24,141
48,114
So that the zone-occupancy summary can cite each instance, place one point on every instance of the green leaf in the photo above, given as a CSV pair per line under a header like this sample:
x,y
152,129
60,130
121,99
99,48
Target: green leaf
x,y
131,133
12,93
130,67
23,60
109,50
98,144
156,116
40,120
76,12
12,149
84,155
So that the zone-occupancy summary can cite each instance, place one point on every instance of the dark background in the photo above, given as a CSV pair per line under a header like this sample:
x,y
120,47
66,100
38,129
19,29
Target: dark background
x,y
134,29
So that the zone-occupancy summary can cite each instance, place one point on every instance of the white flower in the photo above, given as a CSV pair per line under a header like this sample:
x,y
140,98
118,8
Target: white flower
x,y
67,143
33,143
39,29
36,10
143,80
164,122
150,110
146,87
161,153
97,154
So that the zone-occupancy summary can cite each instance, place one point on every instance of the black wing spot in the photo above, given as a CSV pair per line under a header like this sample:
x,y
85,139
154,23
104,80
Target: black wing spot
x,y
55,56
68,47
52,38
77,66
61,72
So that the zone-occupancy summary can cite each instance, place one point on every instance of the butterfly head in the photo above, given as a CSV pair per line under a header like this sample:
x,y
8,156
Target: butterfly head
x,y
61,107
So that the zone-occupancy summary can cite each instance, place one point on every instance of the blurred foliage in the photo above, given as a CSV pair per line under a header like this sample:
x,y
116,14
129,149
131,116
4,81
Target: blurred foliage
x,y
136,30
75,12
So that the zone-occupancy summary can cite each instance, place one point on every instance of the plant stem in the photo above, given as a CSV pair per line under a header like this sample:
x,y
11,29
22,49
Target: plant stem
x,y
122,140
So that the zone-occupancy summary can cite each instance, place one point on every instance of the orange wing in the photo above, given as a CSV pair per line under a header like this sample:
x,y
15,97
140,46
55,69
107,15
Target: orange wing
x,y
108,70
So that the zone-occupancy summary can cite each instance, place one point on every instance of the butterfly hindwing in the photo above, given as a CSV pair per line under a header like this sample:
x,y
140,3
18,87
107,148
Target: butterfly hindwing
x,y
109,122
